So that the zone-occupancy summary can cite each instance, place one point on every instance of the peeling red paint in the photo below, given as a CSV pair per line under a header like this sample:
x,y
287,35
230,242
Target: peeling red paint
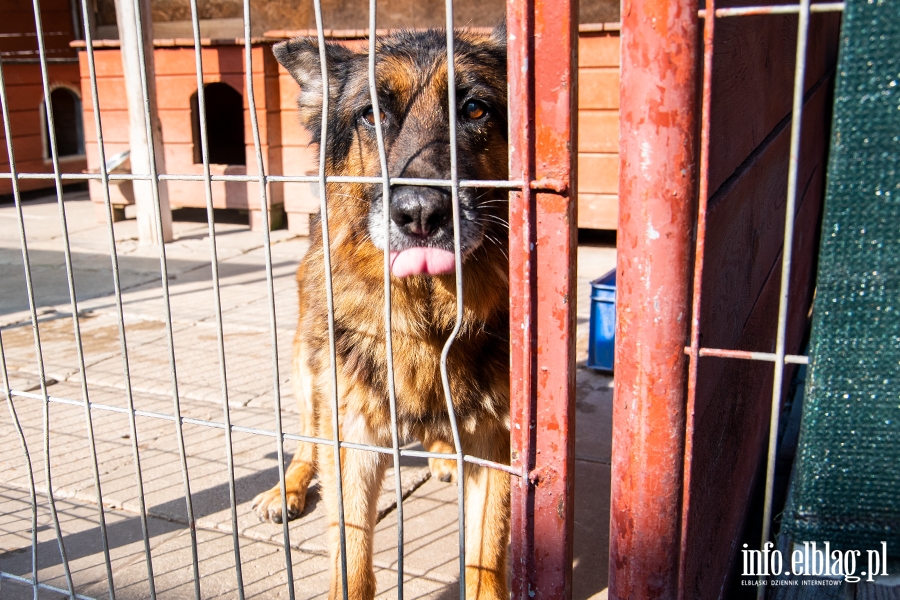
x,y
542,281
657,130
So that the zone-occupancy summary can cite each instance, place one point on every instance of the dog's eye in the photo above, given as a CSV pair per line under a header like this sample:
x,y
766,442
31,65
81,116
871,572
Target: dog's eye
x,y
369,117
474,110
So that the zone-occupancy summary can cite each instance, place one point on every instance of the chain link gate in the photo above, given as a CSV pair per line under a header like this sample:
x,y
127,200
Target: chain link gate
x,y
541,50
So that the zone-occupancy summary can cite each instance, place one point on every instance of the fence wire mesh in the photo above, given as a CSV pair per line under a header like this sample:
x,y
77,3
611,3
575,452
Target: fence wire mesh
x,y
15,397
91,408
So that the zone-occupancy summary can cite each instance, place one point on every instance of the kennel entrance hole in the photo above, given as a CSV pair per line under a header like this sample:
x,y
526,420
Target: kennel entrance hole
x,y
224,122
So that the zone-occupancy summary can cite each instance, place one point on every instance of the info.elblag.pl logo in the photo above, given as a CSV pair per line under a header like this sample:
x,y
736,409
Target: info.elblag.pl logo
x,y
812,559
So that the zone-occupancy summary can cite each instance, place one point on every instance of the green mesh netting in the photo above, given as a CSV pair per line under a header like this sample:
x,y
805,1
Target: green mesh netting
x,y
846,486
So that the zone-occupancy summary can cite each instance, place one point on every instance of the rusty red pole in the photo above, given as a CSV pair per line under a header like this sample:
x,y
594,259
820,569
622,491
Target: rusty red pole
x,y
543,42
658,123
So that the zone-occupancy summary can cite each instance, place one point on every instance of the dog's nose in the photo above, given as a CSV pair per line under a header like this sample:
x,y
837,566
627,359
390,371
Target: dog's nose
x,y
420,211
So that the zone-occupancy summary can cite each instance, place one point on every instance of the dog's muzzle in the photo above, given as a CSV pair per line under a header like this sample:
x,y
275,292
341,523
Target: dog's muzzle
x,y
423,218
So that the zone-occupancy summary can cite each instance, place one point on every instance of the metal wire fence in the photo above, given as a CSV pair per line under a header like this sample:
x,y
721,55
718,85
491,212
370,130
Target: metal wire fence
x,y
37,489
780,358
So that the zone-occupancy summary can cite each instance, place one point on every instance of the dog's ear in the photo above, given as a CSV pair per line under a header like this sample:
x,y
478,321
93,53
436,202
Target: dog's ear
x,y
300,56
499,33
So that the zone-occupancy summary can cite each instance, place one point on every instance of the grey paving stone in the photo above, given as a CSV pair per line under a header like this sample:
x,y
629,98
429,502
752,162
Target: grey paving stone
x,y
254,460
81,539
431,533
593,411
591,564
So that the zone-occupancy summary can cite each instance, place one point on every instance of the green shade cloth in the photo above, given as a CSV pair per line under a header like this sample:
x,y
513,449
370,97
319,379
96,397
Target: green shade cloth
x,y
846,481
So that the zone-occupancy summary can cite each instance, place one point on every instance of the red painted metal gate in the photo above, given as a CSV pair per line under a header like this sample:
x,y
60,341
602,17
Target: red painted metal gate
x,y
543,228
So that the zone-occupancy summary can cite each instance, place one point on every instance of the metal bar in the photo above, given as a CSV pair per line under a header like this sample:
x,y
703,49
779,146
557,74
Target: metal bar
x,y
270,433
70,280
164,276
696,293
270,285
117,287
76,29
542,77
217,295
780,9
787,253
457,252
102,156
329,293
796,359
48,111
389,341
29,34
21,435
54,156
657,164
31,61
464,183
4,106
522,313
556,240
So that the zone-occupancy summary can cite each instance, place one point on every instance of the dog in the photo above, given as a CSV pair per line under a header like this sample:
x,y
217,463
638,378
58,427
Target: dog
x,y
412,91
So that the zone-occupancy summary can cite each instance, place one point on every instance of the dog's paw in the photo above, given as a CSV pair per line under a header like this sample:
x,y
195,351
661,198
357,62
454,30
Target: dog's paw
x,y
443,469
268,507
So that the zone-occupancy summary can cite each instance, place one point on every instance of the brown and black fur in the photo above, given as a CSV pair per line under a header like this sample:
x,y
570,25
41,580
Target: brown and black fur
x,y
412,90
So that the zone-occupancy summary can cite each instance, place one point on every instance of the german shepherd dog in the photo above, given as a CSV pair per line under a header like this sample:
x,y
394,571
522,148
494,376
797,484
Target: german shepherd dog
x,y
412,91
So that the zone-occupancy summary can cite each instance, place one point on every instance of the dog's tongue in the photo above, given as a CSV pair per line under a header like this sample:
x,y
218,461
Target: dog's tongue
x,y
422,261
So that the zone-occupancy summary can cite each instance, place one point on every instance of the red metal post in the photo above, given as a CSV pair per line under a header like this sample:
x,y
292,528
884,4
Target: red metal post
x,y
542,67
656,193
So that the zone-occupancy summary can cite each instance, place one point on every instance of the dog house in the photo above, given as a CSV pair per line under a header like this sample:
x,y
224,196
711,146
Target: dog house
x,y
230,141
22,75
285,145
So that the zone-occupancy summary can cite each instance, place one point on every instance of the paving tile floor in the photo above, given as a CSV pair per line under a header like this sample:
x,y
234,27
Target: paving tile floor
x,y
429,506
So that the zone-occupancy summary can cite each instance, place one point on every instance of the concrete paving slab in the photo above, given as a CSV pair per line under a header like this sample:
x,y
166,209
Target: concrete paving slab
x,y
262,564
593,411
90,253
242,281
431,532
255,464
248,356
100,344
81,539
139,266
24,382
212,512
248,359
591,564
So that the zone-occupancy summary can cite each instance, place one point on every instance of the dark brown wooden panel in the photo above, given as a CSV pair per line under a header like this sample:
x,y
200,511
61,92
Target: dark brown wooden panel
x,y
753,78
741,285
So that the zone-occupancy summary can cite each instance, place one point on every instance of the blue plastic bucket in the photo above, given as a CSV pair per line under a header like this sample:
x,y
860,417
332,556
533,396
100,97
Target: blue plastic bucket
x,y
602,340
